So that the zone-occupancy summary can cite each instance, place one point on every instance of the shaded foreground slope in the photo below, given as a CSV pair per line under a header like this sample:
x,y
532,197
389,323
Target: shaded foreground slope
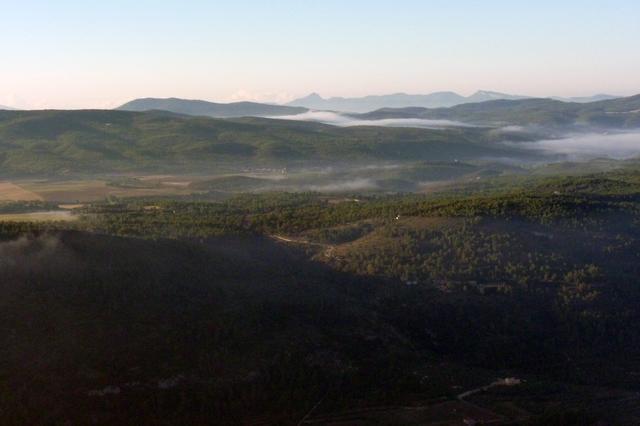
x,y
101,329
340,304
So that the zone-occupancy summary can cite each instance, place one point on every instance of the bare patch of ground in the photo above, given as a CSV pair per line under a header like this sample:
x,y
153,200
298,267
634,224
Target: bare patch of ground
x,y
78,191
12,192
51,216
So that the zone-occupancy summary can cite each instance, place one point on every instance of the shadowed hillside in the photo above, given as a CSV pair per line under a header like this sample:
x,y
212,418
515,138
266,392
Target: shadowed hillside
x,y
278,307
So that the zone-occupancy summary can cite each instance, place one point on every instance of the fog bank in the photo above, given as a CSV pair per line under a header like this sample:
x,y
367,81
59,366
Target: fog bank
x,y
335,119
619,146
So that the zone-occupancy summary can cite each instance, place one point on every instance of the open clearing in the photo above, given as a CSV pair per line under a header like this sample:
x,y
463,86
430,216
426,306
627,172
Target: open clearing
x,y
79,190
12,192
51,216
73,191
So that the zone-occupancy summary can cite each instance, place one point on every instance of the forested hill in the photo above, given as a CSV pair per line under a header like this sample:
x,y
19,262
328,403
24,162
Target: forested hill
x,y
210,109
91,141
613,113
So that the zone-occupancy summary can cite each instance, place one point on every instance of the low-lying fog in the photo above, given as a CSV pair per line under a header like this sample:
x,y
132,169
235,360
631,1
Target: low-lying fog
x,y
335,119
359,184
579,147
575,147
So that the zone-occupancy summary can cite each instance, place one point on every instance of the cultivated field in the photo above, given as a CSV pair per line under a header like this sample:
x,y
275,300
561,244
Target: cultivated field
x,y
91,190
12,192
88,190
51,216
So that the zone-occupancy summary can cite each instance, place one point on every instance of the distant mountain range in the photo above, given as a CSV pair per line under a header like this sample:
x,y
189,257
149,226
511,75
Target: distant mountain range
x,y
316,102
403,100
586,99
211,109
7,108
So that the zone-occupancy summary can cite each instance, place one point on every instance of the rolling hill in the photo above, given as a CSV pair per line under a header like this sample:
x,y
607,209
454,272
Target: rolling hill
x,y
614,113
210,109
63,142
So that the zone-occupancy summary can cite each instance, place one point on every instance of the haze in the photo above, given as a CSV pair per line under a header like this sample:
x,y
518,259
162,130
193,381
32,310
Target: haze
x,y
73,54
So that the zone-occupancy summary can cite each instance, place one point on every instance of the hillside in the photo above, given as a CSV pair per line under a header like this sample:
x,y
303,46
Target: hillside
x,y
296,308
67,142
232,320
615,113
210,109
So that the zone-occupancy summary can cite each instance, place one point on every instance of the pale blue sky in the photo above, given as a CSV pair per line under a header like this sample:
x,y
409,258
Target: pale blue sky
x,y
73,53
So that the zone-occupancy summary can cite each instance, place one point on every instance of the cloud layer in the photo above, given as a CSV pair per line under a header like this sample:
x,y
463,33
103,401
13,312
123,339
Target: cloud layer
x,y
335,119
593,145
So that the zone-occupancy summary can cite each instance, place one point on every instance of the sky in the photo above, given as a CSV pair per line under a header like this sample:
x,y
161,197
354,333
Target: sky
x,y
100,54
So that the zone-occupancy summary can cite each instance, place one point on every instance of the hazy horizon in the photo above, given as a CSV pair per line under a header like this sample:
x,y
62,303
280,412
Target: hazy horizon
x,y
19,105
74,54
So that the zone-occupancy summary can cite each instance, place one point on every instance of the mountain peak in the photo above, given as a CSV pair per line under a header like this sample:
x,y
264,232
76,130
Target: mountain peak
x,y
313,97
489,95
375,102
